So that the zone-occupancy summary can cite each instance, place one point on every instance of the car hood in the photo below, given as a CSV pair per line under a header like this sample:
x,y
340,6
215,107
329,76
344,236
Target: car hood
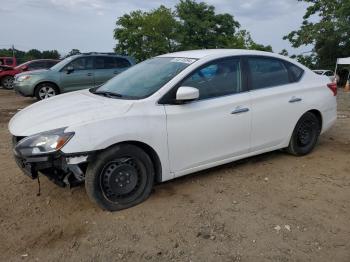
x,y
66,110
34,72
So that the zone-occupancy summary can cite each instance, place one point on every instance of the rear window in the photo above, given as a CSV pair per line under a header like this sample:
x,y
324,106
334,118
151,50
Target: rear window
x,y
9,61
121,62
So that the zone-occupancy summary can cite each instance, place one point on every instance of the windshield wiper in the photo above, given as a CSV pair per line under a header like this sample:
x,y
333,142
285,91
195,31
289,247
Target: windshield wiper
x,y
107,94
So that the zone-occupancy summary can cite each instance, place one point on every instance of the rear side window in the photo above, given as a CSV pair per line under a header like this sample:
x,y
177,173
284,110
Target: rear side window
x,y
104,62
121,62
329,73
267,72
216,79
295,72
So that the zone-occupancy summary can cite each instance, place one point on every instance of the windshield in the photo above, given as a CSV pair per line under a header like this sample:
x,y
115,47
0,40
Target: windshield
x,y
23,64
146,78
62,63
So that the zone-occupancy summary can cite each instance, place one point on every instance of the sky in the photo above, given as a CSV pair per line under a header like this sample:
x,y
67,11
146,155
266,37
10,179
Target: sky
x,y
88,25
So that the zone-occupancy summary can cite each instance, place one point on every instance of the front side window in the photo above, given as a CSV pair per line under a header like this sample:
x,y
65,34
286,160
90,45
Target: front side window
x,y
82,63
216,79
146,78
267,72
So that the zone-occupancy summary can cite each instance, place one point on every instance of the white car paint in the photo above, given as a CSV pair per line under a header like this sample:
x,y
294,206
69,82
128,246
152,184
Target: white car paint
x,y
186,137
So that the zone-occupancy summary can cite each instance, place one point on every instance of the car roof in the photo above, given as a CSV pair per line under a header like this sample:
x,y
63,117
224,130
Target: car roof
x,y
199,54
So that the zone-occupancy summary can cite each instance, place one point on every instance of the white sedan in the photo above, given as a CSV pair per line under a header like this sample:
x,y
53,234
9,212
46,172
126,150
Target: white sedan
x,y
170,116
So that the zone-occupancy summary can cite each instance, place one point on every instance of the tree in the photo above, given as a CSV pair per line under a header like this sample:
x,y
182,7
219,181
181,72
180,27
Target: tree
x,y
33,54
50,54
143,35
73,52
202,28
192,26
330,36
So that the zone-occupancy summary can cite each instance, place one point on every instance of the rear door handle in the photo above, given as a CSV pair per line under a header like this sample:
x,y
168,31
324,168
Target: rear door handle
x,y
89,74
295,99
240,110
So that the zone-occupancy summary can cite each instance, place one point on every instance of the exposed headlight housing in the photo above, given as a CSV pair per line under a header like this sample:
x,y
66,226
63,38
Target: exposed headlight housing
x,y
43,143
23,78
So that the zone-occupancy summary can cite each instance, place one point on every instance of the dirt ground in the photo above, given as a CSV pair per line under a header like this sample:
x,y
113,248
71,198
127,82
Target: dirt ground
x,y
274,207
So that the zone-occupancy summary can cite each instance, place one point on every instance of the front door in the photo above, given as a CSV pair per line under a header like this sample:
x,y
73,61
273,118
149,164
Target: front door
x,y
81,75
214,128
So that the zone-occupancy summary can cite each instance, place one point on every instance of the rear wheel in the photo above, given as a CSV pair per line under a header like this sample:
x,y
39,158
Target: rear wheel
x,y
305,135
119,178
7,82
45,90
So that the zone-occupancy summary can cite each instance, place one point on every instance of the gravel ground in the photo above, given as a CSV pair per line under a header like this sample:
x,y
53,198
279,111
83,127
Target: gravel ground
x,y
273,207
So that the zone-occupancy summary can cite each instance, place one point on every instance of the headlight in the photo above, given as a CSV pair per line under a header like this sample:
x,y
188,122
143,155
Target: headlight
x,y
23,78
43,143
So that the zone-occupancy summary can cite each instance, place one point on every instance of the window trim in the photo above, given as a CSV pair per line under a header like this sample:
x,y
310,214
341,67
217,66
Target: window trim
x,y
166,100
284,62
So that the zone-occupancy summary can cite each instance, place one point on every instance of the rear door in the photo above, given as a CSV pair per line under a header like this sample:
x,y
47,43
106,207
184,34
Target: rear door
x,y
277,100
81,77
106,67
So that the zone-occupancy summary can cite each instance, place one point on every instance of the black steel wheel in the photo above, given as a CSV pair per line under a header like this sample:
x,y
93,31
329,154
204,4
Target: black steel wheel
x,y
120,177
305,135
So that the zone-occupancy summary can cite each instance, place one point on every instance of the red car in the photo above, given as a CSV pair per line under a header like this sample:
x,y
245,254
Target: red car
x,y
8,61
7,73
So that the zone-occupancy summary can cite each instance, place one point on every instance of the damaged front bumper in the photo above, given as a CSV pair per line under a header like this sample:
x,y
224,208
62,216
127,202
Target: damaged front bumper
x,y
62,169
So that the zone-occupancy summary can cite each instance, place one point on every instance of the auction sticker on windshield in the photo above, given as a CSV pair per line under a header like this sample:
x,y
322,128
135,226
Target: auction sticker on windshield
x,y
183,60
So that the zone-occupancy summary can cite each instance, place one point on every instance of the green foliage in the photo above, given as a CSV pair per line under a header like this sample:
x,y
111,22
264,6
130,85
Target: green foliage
x,y
310,61
23,56
143,35
330,36
192,26
72,52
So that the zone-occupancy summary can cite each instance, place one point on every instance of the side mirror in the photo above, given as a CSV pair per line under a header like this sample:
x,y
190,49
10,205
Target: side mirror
x,y
187,94
24,68
70,69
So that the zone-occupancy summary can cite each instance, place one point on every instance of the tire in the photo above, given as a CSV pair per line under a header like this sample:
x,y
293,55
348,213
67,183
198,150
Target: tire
x,y
45,90
305,135
7,82
120,177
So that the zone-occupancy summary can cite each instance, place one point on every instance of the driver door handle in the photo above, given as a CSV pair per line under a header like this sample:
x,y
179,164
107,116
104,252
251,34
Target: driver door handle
x,y
239,110
295,99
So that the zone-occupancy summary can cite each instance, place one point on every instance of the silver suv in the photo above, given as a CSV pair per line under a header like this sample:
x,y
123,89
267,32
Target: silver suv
x,y
73,73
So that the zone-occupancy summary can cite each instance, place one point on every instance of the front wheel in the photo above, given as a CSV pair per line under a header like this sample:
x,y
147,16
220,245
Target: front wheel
x,y
120,177
45,90
305,135
7,82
